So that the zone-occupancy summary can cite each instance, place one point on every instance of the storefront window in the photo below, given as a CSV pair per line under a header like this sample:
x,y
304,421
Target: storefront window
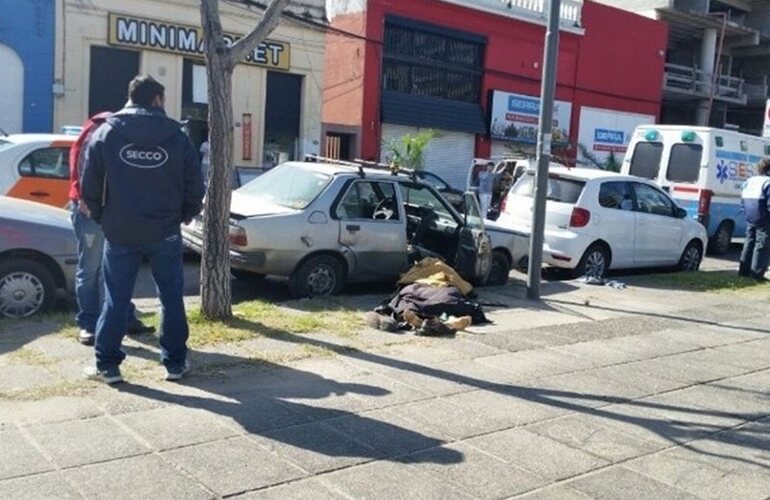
x,y
195,108
111,72
424,63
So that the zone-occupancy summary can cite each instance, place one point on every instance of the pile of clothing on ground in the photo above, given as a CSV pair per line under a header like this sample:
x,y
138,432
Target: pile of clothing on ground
x,y
432,299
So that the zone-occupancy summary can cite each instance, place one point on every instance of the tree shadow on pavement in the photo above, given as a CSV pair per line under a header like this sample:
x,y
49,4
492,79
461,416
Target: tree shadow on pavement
x,y
675,430
673,317
270,403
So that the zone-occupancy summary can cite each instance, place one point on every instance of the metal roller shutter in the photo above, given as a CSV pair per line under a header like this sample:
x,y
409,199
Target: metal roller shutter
x,y
449,156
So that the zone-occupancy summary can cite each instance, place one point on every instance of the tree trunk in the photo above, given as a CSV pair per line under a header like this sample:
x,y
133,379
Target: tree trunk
x,y
216,293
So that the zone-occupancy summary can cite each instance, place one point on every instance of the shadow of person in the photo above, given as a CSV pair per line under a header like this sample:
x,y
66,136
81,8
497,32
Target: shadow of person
x,y
284,408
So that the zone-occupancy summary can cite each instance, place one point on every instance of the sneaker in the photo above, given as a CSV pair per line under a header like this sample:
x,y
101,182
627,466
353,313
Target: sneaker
x,y
85,337
108,376
176,373
137,328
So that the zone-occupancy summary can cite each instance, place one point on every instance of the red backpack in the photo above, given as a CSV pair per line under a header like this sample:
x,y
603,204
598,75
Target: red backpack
x,y
77,150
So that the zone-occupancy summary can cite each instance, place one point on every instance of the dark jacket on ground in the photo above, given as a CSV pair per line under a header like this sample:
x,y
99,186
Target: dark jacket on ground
x,y
142,177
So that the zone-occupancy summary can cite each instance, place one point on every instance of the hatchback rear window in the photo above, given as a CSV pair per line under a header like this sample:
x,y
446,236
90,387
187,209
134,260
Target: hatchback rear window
x,y
559,189
287,186
645,161
684,162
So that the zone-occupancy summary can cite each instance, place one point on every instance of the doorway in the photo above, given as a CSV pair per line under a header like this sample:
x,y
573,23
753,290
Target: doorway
x,y
11,91
339,146
283,110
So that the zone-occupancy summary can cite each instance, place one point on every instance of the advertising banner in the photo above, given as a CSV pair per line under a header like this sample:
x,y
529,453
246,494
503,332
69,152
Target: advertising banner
x,y
604,134
516,117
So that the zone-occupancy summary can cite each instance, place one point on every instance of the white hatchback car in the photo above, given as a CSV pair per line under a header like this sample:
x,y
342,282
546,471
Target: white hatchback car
x,y
598,220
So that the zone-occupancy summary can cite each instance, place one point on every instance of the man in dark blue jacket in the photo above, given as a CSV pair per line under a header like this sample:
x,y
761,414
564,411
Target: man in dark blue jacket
x,y
141,180
755,197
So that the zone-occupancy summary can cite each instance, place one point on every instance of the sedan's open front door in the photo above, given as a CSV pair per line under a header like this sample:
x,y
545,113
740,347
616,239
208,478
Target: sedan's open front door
x,y
474,250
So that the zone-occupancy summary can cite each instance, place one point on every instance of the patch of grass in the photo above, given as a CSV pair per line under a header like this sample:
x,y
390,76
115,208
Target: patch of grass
x,y
704,281
29,356
263,319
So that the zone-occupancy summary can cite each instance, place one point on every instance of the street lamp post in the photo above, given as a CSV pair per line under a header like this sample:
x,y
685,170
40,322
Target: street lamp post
x,y
547,92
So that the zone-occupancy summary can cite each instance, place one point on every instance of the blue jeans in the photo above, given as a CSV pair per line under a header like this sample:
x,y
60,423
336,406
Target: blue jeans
x,y
121,265
88,275
756,252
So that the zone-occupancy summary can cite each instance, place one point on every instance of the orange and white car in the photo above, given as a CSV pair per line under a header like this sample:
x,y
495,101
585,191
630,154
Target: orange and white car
x,y
36,167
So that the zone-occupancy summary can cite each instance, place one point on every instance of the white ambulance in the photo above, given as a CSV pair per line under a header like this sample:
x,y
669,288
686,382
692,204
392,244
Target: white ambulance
x,y
703,170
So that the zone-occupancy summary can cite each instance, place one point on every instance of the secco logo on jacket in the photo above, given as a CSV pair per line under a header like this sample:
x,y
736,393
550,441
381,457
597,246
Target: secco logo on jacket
x,y
140,157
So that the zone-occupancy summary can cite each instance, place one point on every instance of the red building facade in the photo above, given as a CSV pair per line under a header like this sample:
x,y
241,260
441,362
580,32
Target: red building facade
x,y
395,66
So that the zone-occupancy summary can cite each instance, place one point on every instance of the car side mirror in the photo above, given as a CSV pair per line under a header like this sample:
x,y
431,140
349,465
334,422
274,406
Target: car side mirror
x,y
680,213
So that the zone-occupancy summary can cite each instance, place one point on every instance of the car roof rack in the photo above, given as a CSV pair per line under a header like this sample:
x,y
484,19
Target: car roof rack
x,y
362,164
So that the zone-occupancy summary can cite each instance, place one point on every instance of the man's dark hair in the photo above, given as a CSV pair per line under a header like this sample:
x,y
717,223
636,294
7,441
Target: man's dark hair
x,y
144,89
763,167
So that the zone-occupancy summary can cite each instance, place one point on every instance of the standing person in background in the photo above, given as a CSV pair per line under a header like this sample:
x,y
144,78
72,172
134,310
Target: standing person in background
x,y
486,185
141,180
755,196
90,244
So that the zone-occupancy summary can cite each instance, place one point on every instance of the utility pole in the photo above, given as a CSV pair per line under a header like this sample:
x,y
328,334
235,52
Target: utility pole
x,y
543,149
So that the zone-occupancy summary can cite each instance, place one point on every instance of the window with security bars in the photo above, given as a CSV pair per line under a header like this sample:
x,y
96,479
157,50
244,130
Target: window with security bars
x,y
428,64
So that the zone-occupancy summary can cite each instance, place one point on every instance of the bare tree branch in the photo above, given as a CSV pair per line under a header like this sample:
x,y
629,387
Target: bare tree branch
x,y
266,25
212,27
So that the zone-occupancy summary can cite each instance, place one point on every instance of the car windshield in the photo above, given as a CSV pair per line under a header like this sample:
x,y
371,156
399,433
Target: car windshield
x,y
287,185
559,189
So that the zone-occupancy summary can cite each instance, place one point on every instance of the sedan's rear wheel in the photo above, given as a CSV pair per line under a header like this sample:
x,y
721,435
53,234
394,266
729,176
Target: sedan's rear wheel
x,y
318,276
691,257
595,262
26,288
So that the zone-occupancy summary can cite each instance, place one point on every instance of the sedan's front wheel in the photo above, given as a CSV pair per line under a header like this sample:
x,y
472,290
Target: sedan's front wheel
x,y
26,288
317,277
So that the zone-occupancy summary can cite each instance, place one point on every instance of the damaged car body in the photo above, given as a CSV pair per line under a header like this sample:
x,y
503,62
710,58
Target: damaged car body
x,y
325,223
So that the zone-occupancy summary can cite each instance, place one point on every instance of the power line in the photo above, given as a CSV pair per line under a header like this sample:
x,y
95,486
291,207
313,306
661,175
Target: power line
x,y
306,21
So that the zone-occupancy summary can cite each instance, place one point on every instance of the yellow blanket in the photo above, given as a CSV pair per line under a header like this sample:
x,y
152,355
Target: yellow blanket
x,y
434,272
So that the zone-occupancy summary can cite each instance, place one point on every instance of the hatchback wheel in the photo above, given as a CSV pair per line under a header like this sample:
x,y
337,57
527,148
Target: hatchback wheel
x,y
317,277
691,257
595,262
26,288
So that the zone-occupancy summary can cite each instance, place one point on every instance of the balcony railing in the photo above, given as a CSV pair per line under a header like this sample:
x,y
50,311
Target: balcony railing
x,y
694,82
757,91
571,10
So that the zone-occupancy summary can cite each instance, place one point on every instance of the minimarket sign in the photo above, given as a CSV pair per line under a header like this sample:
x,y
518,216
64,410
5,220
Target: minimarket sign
x,y
163,36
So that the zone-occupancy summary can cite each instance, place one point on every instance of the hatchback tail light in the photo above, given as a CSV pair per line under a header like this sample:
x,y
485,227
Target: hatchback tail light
x,y
503,203
704,201
238,236
580,217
